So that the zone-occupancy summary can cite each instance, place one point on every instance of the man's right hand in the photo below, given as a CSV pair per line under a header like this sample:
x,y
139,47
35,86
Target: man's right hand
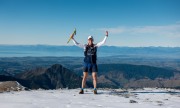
x,y
107,33
72,37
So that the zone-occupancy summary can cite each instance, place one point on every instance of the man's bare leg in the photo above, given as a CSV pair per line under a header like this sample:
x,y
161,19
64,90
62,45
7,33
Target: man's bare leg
x,y
85,74
94,76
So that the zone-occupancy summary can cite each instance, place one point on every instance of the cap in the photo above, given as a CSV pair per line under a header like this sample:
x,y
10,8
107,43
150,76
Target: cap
x,y
90,37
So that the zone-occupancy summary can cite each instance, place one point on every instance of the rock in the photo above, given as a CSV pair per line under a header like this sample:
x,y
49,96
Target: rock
x,y
10,86
133,101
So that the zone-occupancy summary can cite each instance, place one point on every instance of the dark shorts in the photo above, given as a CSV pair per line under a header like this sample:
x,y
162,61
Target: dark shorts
x,y
90,67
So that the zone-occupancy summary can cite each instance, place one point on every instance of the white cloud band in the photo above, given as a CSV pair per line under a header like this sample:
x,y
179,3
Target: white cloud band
x,y
167,30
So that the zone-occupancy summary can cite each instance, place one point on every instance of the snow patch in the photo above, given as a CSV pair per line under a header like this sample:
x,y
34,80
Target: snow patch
x,y
64,98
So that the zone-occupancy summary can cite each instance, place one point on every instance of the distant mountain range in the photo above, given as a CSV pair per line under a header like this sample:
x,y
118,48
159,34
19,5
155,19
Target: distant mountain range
x,y
49,50
109,76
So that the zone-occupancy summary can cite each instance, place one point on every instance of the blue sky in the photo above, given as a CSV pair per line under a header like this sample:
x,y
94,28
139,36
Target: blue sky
x,y
129,22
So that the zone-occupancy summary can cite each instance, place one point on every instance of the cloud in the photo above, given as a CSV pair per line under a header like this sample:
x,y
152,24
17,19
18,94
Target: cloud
x,y
178,22
117,30
166,30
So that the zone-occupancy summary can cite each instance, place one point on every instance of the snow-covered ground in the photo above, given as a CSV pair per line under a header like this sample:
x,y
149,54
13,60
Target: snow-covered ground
x,y
146,98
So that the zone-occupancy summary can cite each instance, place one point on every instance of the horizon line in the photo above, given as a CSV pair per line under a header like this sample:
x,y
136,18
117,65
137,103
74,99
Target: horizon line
x,y
75,45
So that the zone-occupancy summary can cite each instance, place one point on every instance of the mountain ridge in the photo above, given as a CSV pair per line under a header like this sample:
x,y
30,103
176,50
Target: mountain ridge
x,y
53,77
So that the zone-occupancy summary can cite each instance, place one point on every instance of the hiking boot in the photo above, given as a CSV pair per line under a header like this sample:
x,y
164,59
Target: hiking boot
x,y
95,91
81,91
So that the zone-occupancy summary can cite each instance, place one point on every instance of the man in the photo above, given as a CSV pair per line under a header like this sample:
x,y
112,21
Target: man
x,y
90,53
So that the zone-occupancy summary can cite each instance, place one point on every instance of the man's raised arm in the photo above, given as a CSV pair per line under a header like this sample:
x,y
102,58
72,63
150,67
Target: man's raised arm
x,y
102,42
78,44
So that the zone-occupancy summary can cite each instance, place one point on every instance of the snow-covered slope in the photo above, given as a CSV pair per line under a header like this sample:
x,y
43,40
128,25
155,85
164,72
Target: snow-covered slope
x,y
144,98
